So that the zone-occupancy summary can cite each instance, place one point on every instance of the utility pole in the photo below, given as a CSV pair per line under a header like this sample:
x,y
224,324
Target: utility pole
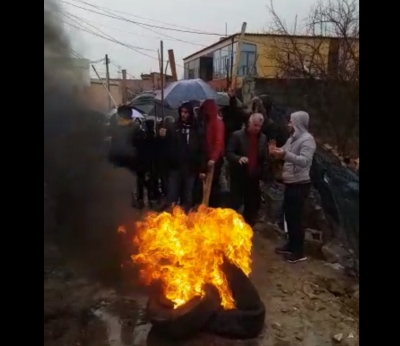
x,y
108,80
162,78
124,93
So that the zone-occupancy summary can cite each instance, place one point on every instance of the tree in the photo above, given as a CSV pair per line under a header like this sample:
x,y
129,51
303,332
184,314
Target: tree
x,y
324,55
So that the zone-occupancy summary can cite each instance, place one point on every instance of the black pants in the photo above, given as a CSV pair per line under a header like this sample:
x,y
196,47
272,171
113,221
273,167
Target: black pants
x,y
140,185
181,184
215,198
151,185
246,190
293,207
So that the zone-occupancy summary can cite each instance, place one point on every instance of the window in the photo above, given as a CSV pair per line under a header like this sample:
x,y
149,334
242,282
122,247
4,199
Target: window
x,y
222,61
191,74
186,71
247,65
192,69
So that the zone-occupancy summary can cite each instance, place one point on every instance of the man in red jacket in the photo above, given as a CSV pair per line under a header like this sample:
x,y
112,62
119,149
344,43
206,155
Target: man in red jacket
x,y
214,142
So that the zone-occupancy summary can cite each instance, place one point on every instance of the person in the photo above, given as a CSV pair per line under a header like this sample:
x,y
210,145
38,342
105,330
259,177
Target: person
x,y
123,152
247,154
146,177
233,117
212,129
184,157
277,124
297,154
257,106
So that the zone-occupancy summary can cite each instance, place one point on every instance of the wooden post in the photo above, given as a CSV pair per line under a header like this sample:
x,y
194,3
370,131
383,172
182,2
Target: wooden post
x,y
207,186
171,58
105,87
238,55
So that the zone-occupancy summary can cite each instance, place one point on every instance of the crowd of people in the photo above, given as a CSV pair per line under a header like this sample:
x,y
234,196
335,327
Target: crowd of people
x,y
171,159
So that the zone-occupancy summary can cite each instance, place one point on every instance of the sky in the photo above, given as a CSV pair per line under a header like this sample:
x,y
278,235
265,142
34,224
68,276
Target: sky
x,y
211,16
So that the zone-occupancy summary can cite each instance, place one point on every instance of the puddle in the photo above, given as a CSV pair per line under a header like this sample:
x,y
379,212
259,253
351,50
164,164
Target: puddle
x,y
125,328
114,327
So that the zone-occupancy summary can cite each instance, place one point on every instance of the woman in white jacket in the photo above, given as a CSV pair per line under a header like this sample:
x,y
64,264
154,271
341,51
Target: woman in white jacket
x,y
297,153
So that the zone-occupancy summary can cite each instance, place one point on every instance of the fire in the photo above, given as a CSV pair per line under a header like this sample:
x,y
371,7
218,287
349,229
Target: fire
x,y
186,251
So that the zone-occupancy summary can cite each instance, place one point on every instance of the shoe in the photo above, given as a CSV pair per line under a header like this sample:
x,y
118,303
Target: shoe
x,y
283,250
294,258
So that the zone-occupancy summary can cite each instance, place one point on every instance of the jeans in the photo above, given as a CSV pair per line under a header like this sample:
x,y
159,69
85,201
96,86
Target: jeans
x,y
180,187
293,207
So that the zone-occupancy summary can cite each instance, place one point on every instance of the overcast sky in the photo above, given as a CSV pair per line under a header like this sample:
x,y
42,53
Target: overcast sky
x,y
192,15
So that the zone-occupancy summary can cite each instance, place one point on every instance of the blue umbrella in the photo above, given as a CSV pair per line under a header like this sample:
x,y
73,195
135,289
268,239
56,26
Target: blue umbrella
x,y
187,90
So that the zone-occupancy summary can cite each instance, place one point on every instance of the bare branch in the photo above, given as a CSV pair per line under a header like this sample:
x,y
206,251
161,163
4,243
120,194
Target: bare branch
x,y
325,50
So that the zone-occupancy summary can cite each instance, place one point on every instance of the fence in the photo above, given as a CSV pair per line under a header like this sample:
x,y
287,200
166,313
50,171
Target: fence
x,y
338,188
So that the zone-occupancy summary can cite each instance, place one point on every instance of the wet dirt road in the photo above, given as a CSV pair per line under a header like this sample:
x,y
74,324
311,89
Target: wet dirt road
x,y
309,304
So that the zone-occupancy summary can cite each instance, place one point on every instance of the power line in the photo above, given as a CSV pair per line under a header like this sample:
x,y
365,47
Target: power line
x,y
174,38
139,23
102,33
137,34
119,68
146,18
108,37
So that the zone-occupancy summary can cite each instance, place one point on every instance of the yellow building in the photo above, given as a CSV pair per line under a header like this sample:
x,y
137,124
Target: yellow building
x,y
266,56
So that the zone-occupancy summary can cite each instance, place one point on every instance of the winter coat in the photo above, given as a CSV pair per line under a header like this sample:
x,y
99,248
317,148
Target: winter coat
x,y
300,149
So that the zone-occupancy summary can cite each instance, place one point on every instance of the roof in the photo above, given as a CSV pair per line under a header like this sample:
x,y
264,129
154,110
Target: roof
x,y
212,45
103,81
228,38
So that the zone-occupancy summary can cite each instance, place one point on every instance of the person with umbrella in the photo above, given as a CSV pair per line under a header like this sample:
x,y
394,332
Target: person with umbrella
x,y
214,143
184,152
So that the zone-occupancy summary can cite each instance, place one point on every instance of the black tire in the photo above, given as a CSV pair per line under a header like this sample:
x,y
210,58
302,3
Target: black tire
x,y
186,320
247,320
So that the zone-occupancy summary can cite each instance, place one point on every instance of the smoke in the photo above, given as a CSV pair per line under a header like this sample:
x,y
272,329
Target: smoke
x,y
73,151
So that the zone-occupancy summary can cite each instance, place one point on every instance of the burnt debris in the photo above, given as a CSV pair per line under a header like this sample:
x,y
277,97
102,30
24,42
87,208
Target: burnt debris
x,y
205,314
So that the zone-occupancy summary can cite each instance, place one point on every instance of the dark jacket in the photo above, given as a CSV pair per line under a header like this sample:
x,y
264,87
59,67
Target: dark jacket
x,y
122,150
233,118
257,106
238,146
183,143
146,144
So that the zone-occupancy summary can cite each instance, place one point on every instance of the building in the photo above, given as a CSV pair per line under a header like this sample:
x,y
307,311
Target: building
x,y
155,79
96,97
261,56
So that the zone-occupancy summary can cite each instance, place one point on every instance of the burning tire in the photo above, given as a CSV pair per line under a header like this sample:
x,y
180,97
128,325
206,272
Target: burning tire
x,y
185,320
247,320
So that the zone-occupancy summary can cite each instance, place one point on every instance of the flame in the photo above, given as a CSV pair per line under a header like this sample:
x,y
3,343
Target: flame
x,y
185,251
121,229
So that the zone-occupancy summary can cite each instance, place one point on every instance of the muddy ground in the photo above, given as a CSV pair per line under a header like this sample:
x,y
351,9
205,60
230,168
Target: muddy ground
x,y
89,300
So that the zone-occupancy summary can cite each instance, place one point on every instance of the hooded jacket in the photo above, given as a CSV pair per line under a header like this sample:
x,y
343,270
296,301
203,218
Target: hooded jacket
x,y
299,148
214,130
184,142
